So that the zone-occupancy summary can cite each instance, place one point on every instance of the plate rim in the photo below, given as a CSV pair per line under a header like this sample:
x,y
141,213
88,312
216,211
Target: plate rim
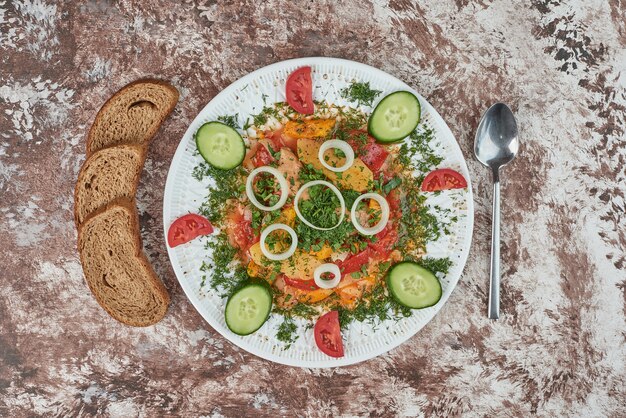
x,y
191,294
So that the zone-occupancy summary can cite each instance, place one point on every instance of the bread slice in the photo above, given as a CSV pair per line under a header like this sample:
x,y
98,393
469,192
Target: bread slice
x,y
108,174
132,115
116,269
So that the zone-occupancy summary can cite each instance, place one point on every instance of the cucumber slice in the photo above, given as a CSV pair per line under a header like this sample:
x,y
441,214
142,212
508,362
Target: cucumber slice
x,y
248,308
220,145
413,286
395,117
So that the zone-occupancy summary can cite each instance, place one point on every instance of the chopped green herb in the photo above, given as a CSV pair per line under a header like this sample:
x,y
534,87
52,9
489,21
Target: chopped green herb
x,y
391,184
222,277
321,207
259,119
300,309
373,306
227,186
436,265
361,93
230,120
417,152
310,173
287,331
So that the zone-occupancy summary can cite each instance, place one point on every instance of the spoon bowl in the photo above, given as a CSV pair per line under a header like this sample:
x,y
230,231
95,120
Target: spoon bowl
x,y
496,141
495,146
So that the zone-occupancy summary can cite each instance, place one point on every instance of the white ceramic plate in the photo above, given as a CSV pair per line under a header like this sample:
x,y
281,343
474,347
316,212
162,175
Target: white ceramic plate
x,y
184,194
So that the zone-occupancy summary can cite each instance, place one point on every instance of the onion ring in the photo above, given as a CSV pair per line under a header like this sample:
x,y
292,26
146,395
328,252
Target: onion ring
x,y
327,268
331,187
284,188
341,145
384,217
282,256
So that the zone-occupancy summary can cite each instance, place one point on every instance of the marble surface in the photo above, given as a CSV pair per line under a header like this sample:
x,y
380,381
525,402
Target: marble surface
x,y
559,348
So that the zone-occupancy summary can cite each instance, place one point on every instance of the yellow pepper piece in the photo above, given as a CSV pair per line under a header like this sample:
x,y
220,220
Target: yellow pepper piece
x,y
288,216
315,295
254,270
257,255
314,128
348,295
358,177
374,205
324,253
301,265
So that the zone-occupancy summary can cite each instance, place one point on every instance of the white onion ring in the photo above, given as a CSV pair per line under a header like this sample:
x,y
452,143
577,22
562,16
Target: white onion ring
x,y
284,188
384,217
331,187
341,145
282,256
327,268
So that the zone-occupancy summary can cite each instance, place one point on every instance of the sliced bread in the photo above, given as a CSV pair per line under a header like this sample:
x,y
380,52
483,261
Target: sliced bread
x,y
132,115
116,269
108,174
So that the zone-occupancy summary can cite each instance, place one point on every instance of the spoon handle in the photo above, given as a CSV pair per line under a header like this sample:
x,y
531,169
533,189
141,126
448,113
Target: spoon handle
x,y
494,283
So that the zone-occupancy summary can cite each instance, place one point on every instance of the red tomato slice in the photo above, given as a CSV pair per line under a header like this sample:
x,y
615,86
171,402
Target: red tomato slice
x,y
280,140
300,90
328,334
354,262
371,153
443,179
289,142
275,138
262,156
301,284
393,198
186,228
385,241
239,230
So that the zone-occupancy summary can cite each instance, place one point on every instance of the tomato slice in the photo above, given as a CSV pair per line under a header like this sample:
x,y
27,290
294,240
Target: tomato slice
x,y
371,153
354,262
262,156
186,228
239,230
385,240
301,284
393,198
328,334
300,91
279,140
443,179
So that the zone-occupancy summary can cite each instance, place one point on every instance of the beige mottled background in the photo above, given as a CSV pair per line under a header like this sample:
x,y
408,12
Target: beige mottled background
x,y
560,347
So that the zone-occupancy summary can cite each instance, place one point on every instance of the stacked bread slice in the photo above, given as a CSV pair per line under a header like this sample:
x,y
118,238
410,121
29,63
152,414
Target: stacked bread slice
x,y
116,269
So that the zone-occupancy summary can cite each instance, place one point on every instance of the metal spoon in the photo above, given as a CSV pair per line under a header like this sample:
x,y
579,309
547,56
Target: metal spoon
x,y
495,146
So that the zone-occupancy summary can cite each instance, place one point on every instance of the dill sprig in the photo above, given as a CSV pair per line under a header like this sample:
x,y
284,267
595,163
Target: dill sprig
x,y
230,120
361,93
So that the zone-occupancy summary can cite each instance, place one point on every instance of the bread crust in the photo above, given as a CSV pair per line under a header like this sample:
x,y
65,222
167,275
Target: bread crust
x,y
152,279
105,108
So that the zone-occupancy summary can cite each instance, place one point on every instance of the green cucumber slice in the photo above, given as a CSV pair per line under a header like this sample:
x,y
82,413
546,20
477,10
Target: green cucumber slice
x,y
248,308
395,117
220,145
413,286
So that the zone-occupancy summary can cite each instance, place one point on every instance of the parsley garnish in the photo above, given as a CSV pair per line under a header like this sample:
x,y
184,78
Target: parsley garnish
x,y
391,184
321,207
